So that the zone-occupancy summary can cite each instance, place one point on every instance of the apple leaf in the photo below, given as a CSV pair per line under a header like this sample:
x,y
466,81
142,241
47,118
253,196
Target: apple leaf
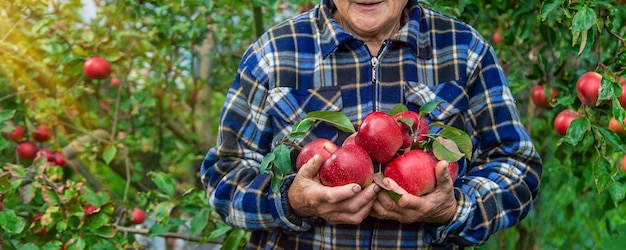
x,y
11,223
446,149
282,163
278,163
457,136
299,129
608,88
335,118
268,161
617,192
429,107
399,108
109,153
5,115
576,130
408,122
395,196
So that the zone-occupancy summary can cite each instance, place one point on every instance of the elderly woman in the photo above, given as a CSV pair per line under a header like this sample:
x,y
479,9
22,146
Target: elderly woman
x,y
357,57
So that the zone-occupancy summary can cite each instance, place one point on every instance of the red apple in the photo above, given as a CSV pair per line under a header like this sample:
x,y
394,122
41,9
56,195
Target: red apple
x,y
59,159
17,134
349,164
414,171
453,168
380,136
26,150
115,82
42,133
350,140
588,88
97,68
564,119
624,163
321,146
90,209
416,133
137,216
46,154
539,97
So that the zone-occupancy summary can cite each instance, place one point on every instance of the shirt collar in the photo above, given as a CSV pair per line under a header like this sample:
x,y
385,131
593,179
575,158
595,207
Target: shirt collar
x,y
415,32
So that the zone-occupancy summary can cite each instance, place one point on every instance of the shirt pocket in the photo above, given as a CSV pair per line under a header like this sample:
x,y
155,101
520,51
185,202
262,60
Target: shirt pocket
x,y
287,106
452,96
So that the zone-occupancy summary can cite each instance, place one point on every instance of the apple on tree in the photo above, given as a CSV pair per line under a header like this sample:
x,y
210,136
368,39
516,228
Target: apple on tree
x,y
624,164
138,216
42,133
97,68
539,98
622,97
26,150
17,134
564,119
588,88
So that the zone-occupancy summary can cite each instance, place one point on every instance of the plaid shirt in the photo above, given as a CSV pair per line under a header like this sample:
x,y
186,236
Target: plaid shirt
x,y
310,63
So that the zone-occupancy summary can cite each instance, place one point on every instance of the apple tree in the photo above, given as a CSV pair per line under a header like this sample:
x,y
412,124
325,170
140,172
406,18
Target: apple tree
x,y
131,93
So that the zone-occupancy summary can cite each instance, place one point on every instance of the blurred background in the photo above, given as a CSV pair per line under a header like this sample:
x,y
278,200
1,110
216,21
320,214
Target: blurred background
x,y
109,149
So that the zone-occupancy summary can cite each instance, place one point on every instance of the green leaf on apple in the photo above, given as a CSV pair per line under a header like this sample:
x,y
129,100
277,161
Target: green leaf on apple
x,y
429,107
299,129
278,164
457,136
335,118
576,130
609,87
398,108
446,149
395,196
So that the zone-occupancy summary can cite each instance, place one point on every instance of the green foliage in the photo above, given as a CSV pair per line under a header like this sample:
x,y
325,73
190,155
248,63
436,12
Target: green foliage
x,y
140,144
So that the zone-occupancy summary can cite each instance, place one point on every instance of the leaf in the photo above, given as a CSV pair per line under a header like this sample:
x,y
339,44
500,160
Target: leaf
x,y
429,107
11,223
6,115
608,89
458,136
576,130
617,192
611,138
395,196
446,149
302,126
335,118
276,183
548,8
50,196
233,239
398,108
164,182
267,163
27,193
107,231
109,153
282,163
221,230
157,229
199,221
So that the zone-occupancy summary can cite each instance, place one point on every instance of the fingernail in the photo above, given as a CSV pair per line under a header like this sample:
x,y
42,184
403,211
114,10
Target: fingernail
x,y
356,188
376,188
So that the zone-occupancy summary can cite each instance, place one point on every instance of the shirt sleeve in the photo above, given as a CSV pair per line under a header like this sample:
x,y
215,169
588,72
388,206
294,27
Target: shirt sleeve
x,y
502,178
230,172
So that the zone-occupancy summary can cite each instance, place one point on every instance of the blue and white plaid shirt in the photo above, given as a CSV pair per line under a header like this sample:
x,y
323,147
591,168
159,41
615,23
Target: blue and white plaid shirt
x,y
309,63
